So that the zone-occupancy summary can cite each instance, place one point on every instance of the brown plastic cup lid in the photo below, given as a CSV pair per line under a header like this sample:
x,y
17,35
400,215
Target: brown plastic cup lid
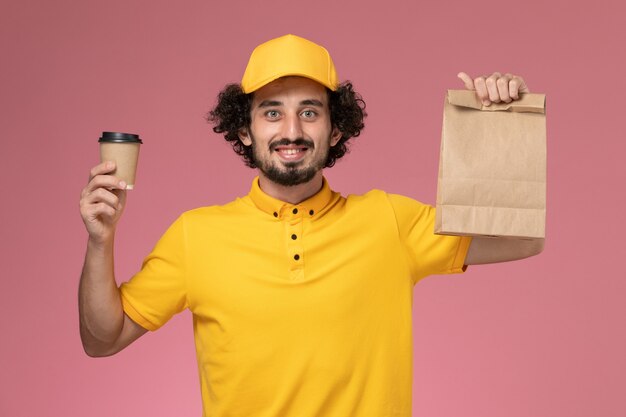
x,y
119,137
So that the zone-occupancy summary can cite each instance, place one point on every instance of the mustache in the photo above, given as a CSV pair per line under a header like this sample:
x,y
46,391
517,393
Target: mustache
x,y
297,142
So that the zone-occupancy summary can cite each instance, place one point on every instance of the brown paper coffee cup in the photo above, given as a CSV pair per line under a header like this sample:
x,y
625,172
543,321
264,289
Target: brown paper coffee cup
x,y
123,148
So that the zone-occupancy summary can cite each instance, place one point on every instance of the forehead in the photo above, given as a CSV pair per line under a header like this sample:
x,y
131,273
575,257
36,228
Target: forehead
x,y
290,89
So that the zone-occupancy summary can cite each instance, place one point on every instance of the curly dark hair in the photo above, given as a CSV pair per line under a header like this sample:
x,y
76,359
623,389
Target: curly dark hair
x,y
232,113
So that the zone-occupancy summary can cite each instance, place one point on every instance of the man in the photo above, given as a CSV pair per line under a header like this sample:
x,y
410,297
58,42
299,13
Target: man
x,y
301,298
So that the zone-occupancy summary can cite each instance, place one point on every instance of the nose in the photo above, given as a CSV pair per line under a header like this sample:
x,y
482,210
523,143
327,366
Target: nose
x,y
292,128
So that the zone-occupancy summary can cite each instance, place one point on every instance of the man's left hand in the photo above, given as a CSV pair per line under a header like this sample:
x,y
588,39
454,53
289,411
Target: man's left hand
x,y
495,88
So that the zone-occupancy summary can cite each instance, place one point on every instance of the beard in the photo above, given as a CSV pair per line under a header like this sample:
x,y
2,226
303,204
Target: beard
x,y
288,173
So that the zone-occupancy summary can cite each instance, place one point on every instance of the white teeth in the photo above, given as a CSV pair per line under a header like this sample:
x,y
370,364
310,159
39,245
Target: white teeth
x,y
291,151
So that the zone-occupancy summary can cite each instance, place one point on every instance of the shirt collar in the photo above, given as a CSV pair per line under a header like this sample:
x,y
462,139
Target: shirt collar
x,y
312,206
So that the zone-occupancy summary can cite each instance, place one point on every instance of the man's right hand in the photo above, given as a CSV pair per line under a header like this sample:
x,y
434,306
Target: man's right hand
x,y
102,202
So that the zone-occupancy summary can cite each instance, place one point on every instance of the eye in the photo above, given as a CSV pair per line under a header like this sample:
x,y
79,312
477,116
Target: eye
x,y
272,114
309,114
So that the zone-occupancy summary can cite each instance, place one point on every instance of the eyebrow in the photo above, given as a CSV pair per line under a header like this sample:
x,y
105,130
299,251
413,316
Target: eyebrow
x,y
312,102
270,103
274,103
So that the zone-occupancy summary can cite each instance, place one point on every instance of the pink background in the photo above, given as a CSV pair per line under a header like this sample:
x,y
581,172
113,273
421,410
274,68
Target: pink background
x,y
541,337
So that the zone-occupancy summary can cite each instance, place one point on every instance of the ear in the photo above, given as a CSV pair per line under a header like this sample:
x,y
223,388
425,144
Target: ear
x,y
244,137
335,136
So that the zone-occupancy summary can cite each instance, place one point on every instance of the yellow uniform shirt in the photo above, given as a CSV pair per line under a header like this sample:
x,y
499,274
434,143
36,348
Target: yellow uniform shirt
x,y
298,310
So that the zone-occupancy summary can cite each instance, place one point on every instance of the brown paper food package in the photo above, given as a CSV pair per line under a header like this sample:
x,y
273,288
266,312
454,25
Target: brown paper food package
x,y
492,167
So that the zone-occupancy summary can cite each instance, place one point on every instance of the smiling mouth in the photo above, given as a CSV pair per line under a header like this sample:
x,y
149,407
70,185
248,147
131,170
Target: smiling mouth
x,y
291,153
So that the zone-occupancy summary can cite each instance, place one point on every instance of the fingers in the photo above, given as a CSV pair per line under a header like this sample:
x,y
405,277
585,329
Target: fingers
x,y
481,90
102,202
102,168
104,194
492,87
98,178
467,80
516,86
104,181
496,88
502,86
101,195
99,210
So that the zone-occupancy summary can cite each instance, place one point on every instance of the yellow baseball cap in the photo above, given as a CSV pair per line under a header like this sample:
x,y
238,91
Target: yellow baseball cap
x,y
288,55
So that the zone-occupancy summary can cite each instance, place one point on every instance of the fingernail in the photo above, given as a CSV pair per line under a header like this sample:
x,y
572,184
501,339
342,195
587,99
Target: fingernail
x,y
122,185
486,102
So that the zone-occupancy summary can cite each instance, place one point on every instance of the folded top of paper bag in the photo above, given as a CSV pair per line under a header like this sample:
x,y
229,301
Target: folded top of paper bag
x,y
527,103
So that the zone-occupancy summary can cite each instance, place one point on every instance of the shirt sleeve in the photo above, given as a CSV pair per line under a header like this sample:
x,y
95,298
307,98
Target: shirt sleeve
x,y
428,253
158,291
